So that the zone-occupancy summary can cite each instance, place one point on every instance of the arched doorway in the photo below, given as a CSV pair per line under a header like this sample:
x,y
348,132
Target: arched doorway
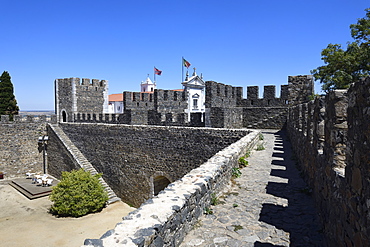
x,y
159,183
64,116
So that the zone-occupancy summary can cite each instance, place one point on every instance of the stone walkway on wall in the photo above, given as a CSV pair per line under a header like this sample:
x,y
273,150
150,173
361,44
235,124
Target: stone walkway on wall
x,y
269,205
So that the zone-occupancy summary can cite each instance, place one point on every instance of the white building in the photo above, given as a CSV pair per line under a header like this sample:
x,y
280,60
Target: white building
x,y
148,85
195,87
115,103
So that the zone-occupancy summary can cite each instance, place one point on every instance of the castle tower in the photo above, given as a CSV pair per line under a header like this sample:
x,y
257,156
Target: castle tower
x,y
148,86
73,96
195,89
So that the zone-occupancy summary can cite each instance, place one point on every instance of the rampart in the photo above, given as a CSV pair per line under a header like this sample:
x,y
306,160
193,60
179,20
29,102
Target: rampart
x,y
225,106
331,139
135,160
165,219
19,144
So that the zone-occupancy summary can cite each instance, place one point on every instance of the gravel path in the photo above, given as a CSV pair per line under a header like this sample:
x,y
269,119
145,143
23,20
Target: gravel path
x,y
269,205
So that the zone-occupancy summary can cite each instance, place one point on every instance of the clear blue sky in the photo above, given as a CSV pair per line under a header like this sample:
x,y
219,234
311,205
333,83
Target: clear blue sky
x,y
236,42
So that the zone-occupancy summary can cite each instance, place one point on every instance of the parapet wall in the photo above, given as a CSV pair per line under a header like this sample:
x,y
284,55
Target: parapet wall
x,y
131,157
331,140
165,219
19,144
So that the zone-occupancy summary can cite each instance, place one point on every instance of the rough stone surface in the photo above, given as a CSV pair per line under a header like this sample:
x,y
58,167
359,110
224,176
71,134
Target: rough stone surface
x,y
335,160
269,205
165,219
132,157
19,151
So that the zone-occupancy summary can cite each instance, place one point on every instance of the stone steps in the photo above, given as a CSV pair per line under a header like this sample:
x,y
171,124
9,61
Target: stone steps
x,y
81,160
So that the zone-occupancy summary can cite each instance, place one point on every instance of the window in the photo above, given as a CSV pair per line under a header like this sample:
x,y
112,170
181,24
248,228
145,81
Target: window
x,y
195,103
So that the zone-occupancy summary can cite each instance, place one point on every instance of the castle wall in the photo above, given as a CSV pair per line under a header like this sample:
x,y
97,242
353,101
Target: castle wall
x,y
129,156
165,219
225,106
73,95
330,139
19,144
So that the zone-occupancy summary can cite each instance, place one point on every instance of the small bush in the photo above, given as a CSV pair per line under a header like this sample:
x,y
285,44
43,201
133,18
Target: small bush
x,y
261,137
78,193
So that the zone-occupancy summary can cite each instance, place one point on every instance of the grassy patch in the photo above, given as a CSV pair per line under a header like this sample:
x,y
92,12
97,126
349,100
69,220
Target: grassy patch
x,y
235,172
261,137
243,162
208,211
260,147
237,227
214,199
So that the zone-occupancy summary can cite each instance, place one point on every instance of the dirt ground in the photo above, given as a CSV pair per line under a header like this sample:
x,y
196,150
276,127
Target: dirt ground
x,y
25,222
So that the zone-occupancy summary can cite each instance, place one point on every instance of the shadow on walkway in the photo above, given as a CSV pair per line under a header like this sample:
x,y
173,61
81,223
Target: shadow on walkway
x,y
299,217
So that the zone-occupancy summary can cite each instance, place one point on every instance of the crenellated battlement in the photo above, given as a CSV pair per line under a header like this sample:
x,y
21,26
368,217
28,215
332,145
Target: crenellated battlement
x,y
83,82
4,119
269,98
216,105
137,97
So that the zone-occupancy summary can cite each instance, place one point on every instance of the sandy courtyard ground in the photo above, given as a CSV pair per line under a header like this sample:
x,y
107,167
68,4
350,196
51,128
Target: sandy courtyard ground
x,y
25,222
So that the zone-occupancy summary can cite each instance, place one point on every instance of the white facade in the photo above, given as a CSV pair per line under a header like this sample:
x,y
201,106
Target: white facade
x,y
115,103
115,107
195,88
148,86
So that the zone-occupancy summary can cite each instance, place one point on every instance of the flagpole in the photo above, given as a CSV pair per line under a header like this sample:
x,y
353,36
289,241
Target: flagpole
x,y
182,69
154,74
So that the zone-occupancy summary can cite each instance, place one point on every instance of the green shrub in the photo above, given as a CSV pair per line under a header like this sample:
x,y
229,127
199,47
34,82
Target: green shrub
x,y
77,194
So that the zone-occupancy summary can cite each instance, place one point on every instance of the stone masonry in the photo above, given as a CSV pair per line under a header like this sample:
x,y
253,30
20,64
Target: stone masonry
x,y
19,151
165,219
132,157
331,140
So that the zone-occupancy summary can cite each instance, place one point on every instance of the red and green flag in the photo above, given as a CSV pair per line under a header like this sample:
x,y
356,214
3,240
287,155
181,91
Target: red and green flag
x,y
185,63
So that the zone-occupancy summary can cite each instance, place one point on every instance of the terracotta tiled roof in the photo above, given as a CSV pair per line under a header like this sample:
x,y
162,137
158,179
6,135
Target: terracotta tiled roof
x,y
115,97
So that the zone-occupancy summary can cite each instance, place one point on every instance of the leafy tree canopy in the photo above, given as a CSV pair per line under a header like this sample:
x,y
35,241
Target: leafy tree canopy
x,y
346,66
8,103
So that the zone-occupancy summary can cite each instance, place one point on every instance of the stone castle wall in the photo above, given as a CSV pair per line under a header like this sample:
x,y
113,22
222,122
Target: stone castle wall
x,y
330,137
165,219
131,157
225,105
19,151
74,95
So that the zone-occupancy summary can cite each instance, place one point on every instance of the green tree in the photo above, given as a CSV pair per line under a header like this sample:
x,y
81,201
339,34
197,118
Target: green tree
x,y
8,103
346,66
77,194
